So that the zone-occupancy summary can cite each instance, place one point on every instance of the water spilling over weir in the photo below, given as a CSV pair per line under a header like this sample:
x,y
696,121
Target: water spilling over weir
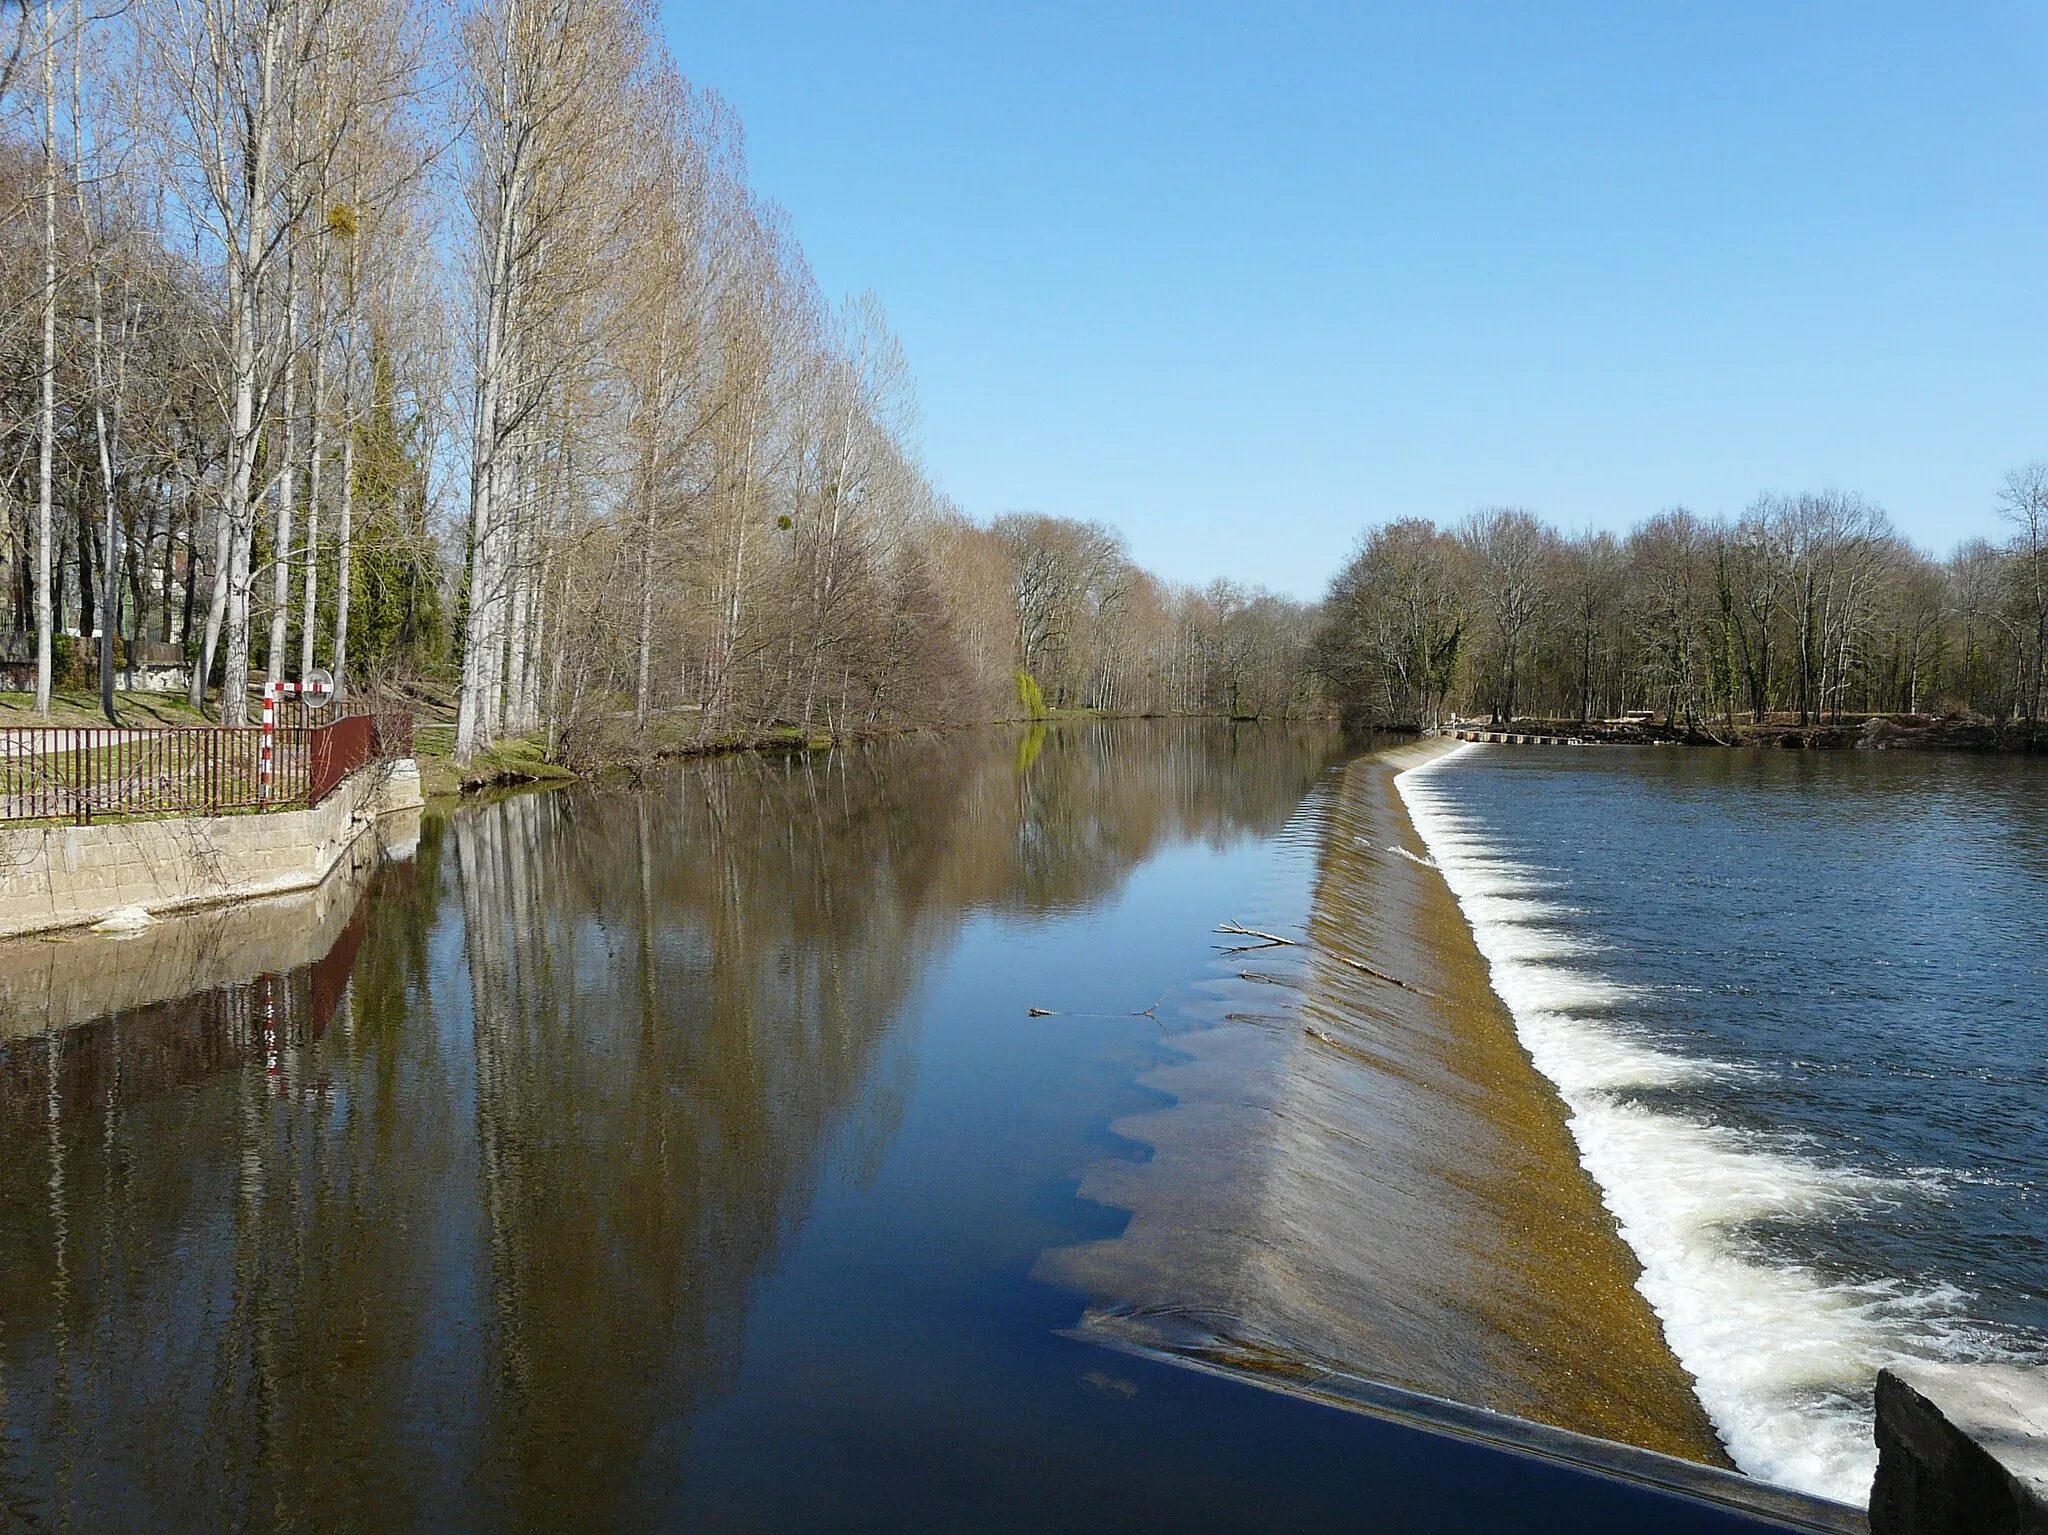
x,y
1764,996
1365,1172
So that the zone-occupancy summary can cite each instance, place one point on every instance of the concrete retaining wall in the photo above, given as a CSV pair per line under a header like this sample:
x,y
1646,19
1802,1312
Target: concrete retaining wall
x,y
75,876
1962,1449
60,980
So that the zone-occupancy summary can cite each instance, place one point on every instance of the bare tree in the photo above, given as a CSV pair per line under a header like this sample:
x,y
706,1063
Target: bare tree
x,y
47,442
1508,550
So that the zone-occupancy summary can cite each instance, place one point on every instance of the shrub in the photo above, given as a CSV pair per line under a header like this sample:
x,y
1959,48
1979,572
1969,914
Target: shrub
x,y
1031,696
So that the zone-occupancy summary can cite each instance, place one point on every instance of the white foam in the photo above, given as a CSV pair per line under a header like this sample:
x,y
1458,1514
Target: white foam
x,y
125,919
1486,904
1527,942
1782,1356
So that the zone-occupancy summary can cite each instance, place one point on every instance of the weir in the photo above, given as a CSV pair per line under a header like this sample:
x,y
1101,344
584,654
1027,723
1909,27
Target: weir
x,y
1365,1191
1372,1178
1513,738
1782,1351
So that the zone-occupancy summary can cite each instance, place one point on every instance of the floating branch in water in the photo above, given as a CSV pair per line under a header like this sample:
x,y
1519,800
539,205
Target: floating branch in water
x,y
1151,1012
1266,940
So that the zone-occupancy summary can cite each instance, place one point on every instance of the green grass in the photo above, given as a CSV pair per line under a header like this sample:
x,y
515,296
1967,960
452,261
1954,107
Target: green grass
x,y
513,760
138,711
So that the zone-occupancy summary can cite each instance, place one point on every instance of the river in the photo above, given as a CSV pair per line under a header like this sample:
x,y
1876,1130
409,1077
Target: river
x,y
1794,1001
811,1140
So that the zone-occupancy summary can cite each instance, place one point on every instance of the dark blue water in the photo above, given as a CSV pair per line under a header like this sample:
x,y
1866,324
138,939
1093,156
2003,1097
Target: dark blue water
x,y
1796,1002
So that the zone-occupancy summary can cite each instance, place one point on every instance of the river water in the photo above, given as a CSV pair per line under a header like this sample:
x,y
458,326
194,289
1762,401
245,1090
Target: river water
x,y
806,1141
1795,1004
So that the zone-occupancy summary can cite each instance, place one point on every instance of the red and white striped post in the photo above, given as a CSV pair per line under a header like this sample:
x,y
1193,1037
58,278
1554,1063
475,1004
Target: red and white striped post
x,y
317,688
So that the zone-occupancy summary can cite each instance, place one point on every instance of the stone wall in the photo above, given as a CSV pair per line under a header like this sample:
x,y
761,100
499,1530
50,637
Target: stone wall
x,y
1962,1449
59,980
54,877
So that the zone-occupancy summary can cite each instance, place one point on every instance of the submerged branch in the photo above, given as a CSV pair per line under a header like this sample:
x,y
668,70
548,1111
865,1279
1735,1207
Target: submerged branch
x,y
1274,940
1151,1012
1266,940
1379,975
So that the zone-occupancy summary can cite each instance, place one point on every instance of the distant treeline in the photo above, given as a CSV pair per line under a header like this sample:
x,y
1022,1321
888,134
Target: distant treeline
x,y
1810,606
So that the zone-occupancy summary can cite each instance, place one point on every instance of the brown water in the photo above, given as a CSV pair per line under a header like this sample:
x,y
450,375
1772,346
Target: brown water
x,y
693,1157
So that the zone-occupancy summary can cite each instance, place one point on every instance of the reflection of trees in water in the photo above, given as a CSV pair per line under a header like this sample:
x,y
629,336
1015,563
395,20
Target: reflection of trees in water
x,y
133,1307
682,1002
486,1274
1090,802
679,1006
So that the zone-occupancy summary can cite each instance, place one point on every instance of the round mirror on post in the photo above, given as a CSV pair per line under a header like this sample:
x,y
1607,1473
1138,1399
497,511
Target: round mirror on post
x,y
318,688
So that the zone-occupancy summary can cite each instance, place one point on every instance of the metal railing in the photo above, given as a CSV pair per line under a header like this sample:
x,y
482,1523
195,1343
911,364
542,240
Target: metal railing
x,y
353,741
89,773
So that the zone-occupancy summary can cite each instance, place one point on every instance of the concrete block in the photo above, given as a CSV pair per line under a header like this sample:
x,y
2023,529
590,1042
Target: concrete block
x,y
72,876
1962,1449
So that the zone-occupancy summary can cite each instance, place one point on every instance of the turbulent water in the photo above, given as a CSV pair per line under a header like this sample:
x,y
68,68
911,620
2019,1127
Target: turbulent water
x,y
1793,1003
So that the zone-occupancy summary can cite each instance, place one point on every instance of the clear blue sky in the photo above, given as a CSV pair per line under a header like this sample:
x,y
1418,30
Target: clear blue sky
x,y
1245,279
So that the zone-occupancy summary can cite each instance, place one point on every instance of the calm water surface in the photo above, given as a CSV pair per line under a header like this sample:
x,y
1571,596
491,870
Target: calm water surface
x,y
1795,1001
682,1159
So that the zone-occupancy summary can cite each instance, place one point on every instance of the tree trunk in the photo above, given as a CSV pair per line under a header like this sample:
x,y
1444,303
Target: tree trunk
x,y
234,692
309,601
344,545
216,606
645,650
245,267
46,458
287,491
483,636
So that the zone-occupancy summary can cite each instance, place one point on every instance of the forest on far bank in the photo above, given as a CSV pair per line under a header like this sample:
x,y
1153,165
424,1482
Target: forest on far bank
x,y
1809,606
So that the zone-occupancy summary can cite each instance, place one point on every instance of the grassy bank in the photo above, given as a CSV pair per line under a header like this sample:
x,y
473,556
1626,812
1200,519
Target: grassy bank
x,y
516,760
670,738
71,710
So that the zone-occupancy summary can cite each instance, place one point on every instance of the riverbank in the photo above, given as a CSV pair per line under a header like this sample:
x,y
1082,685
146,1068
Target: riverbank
x,y
55,981
1363,1170
1871,732
525,761
129,873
